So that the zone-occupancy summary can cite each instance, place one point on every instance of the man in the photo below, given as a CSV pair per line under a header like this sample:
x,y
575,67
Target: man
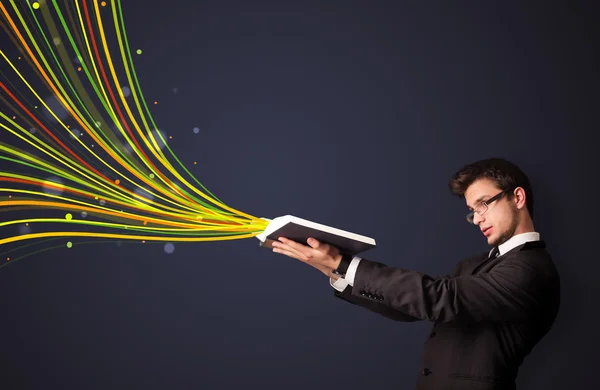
x,y
489,312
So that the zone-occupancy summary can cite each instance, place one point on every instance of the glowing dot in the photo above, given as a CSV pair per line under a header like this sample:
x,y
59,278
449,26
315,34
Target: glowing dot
x,y
69,244
139,51
194,162
196,130
169,248
32,130
155,102
69,216
83,214
102,202
19,57
56,41
79,69
14,117
170,137
98,124
8,259
35,107
103,4
117,181
152,176
26,224
143,241
35,5
95,197
9,196
68,126
145,222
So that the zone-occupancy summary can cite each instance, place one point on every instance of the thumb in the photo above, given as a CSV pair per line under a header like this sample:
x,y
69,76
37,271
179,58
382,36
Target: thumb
x,y
313,243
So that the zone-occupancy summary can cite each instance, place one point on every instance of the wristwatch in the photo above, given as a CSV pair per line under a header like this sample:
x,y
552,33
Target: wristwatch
x,y
344,264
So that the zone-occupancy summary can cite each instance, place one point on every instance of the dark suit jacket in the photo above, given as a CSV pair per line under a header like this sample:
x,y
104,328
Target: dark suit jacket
x,y
487,314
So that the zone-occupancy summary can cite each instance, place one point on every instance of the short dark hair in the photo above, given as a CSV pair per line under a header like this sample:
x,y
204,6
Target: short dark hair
x,y
505,174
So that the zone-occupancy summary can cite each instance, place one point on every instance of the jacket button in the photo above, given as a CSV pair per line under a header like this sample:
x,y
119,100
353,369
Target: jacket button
x,y
426,371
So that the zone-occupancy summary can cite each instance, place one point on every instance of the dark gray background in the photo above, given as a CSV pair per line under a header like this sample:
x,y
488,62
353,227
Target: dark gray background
x,y
353,114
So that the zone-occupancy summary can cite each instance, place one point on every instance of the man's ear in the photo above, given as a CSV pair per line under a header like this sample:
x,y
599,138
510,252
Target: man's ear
x,y
519,197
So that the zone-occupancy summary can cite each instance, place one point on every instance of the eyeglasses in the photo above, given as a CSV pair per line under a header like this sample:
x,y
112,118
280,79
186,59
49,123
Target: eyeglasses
x,y
482,207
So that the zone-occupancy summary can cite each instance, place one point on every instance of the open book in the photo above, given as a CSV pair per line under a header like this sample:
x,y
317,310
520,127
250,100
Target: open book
x,y
299,230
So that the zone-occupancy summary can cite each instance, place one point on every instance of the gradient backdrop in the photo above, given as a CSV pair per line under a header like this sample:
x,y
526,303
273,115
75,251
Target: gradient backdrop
x,y
354,114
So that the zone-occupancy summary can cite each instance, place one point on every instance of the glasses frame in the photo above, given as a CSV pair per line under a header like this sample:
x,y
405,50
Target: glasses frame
x,y
485,203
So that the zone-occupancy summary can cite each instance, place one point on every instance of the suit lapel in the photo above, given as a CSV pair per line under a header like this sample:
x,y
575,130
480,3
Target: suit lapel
x,y
483,260
470,269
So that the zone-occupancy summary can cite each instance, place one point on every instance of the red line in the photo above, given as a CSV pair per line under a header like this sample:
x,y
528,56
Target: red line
x,y
110,91
49,184
50,133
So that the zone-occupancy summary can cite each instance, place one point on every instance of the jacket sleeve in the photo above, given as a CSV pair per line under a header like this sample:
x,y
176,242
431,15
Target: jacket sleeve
x,y
372,303
510,292
374,306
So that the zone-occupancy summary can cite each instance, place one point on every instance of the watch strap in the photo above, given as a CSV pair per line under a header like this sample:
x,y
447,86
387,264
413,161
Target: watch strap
x,y
344,264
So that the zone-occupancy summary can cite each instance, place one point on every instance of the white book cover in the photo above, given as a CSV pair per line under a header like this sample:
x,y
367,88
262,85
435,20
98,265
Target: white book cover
x,y
299,230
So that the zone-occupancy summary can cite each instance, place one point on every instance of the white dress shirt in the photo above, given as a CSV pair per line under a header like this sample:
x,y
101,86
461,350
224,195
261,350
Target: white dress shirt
x,y
511,243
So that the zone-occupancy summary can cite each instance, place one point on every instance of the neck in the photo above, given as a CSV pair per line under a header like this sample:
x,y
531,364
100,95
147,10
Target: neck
x,y
525,226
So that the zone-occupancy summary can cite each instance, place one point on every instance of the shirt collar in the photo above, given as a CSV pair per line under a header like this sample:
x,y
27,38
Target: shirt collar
x,y
515,241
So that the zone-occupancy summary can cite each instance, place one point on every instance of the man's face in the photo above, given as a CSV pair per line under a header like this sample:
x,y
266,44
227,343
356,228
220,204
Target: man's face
x,y
501,217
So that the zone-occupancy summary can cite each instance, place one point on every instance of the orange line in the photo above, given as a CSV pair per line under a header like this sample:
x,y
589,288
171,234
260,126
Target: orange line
x,y
49,184
51,85
92,209
116,105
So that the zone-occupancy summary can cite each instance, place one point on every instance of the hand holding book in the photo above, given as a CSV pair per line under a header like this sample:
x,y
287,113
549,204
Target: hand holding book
x,y
321,256
299,230
289,235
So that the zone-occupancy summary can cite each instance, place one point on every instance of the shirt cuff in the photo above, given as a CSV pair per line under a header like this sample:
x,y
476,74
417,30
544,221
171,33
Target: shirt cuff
x,y
339,284
351,271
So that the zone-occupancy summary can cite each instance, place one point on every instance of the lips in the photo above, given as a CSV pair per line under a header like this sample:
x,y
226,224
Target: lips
x,y
486,231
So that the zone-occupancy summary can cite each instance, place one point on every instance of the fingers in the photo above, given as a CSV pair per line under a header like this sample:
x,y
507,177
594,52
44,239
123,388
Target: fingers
x,y
317,255
315,249
295,246
314,243
289,253
300,251
302,258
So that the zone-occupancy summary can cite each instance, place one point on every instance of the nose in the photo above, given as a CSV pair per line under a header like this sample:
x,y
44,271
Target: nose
x,y
477,219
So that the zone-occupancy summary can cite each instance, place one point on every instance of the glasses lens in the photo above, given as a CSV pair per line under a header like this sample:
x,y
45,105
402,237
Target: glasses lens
x,y
481,208
470,217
